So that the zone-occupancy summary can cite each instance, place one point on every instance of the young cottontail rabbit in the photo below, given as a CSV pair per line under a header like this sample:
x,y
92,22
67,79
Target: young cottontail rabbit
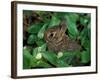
x,y
57,40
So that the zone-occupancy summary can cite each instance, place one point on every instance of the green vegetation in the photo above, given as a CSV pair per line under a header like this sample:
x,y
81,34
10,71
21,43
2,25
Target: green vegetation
x,y
35,52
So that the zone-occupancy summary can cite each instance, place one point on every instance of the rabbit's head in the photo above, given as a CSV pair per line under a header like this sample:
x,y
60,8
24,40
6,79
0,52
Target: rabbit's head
x,y
56,34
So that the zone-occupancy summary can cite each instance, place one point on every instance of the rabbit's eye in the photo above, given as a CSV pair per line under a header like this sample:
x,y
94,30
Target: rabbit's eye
x,y
51,35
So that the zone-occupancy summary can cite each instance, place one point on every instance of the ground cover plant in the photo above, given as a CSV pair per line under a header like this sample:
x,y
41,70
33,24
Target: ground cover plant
x,y
36,53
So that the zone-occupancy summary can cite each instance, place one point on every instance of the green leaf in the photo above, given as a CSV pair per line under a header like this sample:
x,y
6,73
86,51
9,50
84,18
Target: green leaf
x,y
61,15
72,28
51,57
35,52
83,33
26,59
43,64
42,48
85,56
33,62
83,21
85,43
73,16
67,57
34,28
40,42
85,39
54,22
41,31
62,63
32,38
70,58
39,49
71,36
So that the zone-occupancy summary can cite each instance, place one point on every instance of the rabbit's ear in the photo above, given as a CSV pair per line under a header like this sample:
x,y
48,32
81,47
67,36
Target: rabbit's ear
x,y
63,26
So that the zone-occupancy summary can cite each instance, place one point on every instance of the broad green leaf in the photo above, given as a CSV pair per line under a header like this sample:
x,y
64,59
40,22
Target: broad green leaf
x,y
40,42
42,47
85,56
41,31
85,39
73,16
35,52
77,53
71,36
70,57
62,63
39,49
83,33
61,15
54,22
34,28
33,62
43,64
83,21
26,59
85,43
32,38
51,57
72,28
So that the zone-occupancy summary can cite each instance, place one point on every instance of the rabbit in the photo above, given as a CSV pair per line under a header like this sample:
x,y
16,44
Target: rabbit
x,y
58,41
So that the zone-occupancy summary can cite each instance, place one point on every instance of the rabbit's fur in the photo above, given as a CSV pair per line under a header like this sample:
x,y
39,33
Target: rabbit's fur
x,y
57,40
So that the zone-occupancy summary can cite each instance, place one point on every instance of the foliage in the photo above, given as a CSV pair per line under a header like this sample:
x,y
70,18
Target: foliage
x,y
35,52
